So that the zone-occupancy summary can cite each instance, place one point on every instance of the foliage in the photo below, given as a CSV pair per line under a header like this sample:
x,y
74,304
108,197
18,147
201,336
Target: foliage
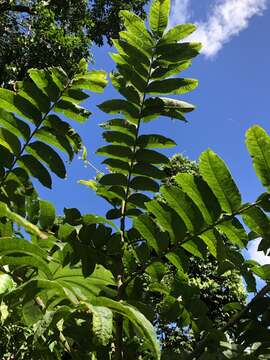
x,y
39,34
215,290
81,280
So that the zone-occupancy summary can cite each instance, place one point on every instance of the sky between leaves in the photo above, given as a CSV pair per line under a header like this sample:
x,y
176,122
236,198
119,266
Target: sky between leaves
x,y
233,94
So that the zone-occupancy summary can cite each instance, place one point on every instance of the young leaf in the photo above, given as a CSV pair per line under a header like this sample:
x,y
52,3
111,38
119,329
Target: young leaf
x,y
159,16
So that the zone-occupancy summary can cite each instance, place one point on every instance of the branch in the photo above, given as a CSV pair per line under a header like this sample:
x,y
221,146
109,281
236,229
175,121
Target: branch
x,y
140,270
6,6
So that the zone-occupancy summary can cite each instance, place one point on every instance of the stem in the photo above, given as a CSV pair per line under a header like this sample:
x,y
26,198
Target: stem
x,y
121,288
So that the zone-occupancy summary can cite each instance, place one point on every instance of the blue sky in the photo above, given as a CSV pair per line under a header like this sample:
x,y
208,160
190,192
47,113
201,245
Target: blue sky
x,y
233,94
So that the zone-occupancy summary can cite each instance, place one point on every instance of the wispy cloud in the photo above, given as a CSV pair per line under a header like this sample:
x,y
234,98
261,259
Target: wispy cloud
x,y
256,255
226,19
180,12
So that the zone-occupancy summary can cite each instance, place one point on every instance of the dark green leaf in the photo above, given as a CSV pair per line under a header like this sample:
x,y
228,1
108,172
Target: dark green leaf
x,y
36,169
47,155
113,179
151,156
115,152
144,184
14,125
72,111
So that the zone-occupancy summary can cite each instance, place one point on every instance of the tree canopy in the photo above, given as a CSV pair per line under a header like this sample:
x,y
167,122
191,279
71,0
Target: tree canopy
x,y
38,34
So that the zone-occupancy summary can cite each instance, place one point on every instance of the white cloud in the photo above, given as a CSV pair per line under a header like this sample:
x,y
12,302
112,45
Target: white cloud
x,y
226,19
180,12
256,255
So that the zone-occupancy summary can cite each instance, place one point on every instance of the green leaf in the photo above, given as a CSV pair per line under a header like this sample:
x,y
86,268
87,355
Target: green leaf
x,y
76,96
84,288
137,319
32,93
120,125
12,102
113,179
143,183
168,219
135,25
149,231
199,193
116,137
235,232
124,87
155,141
120,107
177,33
172,86
95,80
114,164
9,246
14,125
262,271
46,154
44,81
218,177
36,169
177,52
52,137
31,313
115,152
151,156
257,221
133,39
210,240
159,16
10,141
134,53
63,129
29,261
102,324
46,214
72,111
184,207
138,200
195,248
6,283
166,70
134,77
258,144
149,170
